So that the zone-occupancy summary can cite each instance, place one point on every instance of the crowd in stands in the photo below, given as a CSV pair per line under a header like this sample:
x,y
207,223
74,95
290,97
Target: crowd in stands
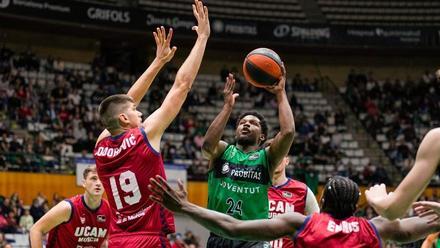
x,y
397,112
16,217
48,116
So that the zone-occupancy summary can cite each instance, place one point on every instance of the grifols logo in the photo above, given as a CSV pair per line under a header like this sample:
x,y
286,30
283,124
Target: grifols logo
x,y
108,15
4,3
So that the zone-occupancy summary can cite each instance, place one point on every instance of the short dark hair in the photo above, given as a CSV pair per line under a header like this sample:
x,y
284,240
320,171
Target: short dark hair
x,y
88,170
340,196
263,123
110,107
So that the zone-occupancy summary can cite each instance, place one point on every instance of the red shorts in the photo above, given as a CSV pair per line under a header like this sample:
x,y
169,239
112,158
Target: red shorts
x,y
139,241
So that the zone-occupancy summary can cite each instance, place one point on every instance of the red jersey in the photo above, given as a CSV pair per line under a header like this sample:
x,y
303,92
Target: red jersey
x,y
125,163
288,197
86,228
321,230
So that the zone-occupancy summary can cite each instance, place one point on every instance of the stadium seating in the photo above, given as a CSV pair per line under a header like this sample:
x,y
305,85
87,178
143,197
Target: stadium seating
x,y
278,10
396,113
391,13
49,136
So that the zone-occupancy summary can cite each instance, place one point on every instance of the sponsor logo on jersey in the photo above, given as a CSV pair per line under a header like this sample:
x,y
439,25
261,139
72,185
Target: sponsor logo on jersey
x,y
287,194
82,219
101,218
254,156
90,234
255,174
225,168
124,218
281,207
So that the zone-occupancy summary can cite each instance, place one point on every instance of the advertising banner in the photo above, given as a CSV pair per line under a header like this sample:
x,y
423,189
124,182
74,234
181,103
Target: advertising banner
x,y
142,20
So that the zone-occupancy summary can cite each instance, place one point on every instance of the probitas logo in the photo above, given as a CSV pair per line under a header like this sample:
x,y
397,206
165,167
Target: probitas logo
x,y
4,3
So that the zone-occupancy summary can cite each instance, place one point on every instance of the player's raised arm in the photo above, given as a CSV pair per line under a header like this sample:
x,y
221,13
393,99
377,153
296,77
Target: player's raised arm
x,y
405,230
164,53
212,145
160,119
222,224
395,205
280,145
57,215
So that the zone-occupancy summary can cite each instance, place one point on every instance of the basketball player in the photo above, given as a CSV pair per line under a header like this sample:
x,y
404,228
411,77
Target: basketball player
x,y
81,221
397,203
127,152
239,174
335,226
288,195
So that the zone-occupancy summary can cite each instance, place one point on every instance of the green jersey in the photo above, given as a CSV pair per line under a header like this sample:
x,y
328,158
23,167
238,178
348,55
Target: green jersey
x,y
238,184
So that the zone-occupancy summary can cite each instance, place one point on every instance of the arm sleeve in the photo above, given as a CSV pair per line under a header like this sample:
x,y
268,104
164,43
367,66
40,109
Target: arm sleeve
x,y
311,203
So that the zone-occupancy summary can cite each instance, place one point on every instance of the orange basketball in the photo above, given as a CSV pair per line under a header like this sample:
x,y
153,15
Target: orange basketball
x,y
262,67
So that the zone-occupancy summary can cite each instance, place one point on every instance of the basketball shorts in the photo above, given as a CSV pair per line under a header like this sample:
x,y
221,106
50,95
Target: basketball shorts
x,y
139,241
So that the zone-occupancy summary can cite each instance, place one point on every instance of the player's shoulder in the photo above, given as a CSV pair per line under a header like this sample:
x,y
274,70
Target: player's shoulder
x,y
296,184
105,203
74,199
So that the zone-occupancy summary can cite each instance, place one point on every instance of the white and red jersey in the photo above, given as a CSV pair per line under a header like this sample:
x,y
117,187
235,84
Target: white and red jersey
x,y
85,228
125,164
288,197
321,230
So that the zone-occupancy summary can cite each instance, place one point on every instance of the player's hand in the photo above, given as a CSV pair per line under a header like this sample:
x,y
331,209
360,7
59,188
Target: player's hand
x,y
280,86
166,196
378,198
200,11
428,208
228,91
163,51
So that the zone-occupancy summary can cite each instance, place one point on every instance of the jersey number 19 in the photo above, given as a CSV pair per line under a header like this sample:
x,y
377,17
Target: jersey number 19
x,y
128,184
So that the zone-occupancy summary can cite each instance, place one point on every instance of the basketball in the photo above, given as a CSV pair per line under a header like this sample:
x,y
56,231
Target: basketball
x,y
262,67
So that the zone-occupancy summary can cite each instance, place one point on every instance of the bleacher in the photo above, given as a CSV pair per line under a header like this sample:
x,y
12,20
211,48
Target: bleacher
x,y
351,153
396,114
277,10
383,13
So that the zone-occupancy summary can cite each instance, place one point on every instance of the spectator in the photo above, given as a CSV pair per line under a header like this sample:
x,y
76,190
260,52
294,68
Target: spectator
x,y
36,210
26,221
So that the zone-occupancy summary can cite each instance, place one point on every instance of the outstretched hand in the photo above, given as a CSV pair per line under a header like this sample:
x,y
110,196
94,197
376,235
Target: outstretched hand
x,y
163,50
200,11
166,196
377,198
228,91
428,208
281,85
